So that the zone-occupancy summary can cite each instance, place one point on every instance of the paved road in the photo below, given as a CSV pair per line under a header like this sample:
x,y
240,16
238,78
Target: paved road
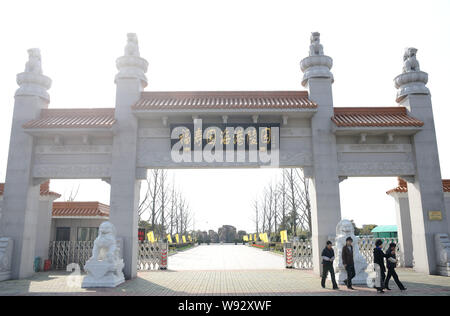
x,y
225,257
231,282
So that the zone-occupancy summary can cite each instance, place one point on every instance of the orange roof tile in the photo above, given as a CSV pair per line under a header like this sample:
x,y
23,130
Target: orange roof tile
x,y
374,117
403,186
80,209
44,189
73,118
235,100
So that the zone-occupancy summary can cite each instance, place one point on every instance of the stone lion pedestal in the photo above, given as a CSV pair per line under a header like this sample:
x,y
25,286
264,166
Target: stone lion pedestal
x,y
442,246
345,229
104,268
6,248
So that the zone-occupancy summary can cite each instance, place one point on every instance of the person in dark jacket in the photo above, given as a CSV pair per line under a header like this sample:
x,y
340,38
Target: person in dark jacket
x,y
391,262
347,260
327,265
378,258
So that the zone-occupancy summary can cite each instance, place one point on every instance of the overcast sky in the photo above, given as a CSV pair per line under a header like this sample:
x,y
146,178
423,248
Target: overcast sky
x,y
229,45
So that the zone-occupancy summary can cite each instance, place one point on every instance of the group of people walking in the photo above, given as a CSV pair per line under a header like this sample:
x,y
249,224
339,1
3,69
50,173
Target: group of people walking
x,y
381,282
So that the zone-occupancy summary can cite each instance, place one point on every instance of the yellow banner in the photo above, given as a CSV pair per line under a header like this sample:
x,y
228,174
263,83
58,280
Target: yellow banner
x,y
254,237
250,237
245,238
184,239
190,238
283,235
169,238
177,238
150,236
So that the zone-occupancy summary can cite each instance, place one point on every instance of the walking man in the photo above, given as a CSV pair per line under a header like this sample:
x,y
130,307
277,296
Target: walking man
x,y
378,260
327,265
391,262
347,260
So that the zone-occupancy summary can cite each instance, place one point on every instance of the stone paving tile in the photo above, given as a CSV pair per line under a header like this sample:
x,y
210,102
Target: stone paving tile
x,y
219,282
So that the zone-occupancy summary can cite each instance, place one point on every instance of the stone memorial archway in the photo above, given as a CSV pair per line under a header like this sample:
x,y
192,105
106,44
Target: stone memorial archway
x,y
144,131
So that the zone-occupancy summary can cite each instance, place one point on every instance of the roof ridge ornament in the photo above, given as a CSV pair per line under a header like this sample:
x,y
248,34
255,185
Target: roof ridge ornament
x,y
317,64
412,80
32,82
131,65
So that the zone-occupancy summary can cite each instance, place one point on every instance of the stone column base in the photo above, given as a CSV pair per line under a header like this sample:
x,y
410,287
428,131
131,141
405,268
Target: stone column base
x,y
5,275
360,278
444,271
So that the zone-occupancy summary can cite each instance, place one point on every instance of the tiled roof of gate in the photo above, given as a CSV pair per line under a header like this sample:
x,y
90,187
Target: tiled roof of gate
x,y
374,117
73,118
68,209
403,186
229,100
44,189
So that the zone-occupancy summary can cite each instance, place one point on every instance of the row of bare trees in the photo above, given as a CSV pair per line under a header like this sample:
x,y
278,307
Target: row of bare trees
x,y
284,205
163,209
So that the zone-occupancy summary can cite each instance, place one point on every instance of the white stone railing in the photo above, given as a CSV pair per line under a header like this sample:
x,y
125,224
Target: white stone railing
x,y
151,256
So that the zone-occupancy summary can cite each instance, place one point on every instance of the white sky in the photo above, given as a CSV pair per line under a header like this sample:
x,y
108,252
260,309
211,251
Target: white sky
x,y
229,45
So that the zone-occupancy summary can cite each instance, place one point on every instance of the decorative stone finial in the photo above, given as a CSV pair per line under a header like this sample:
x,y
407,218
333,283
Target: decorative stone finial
x,y
317,65
412,80
32,82
131,65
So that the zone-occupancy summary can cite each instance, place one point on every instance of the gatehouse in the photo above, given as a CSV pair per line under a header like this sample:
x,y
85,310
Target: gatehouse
x,y
304,129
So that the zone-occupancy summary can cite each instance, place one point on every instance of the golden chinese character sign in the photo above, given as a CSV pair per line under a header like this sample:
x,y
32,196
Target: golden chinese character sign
x,y
234,142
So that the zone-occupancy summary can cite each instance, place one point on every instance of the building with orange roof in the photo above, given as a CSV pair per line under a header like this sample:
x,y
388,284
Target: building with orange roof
x,y
400,196
64,221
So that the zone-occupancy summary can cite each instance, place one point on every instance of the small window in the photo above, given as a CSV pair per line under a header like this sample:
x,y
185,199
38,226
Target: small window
x,y
87,233
62,233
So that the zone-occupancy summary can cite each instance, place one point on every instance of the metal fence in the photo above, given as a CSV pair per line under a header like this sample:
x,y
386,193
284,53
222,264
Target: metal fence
x,y
302,251
151,256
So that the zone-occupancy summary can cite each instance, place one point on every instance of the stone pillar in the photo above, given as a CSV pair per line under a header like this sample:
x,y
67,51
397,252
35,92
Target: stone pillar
x,y
125,187
425,190
325,202
44,223
21,197
404,226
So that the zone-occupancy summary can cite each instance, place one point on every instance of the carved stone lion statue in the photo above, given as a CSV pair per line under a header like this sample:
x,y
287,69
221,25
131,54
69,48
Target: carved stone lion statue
x,y
34,61
104,268
105,245
410,62
345,229
315,49
132,47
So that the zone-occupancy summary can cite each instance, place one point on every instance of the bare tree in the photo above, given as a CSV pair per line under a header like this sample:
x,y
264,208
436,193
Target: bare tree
x,y
73,194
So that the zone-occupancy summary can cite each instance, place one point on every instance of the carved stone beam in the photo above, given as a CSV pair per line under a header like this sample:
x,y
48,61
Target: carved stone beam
x,y
195,117
389,138
58,140
39,181
165,120
342,178
255,119
86,139
409,179
285,119
141,173
362,138
225,119
308,172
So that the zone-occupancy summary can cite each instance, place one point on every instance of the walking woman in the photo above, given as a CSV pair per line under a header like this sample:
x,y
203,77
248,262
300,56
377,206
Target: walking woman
x,y
391,262
378,260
